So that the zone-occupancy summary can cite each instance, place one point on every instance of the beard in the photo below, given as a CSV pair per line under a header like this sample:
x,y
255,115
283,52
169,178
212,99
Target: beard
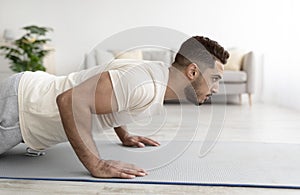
x,y
190,95
190,92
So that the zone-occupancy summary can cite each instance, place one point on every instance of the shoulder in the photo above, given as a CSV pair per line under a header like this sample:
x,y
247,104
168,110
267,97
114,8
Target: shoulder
x,y
137,83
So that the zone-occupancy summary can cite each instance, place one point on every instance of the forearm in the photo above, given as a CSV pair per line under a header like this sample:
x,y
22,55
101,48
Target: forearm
x,y
121,132
77,124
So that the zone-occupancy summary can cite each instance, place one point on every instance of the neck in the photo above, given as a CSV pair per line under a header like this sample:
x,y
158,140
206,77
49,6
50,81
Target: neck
x,y
176,84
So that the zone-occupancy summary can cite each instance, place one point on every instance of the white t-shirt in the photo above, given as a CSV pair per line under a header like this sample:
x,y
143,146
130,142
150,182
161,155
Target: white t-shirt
x,y
139,87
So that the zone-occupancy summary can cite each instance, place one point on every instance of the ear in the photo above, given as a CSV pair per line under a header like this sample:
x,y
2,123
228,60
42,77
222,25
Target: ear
x,y
192,71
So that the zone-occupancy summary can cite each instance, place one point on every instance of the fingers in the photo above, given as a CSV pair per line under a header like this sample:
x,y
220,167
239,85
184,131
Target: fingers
x,y
119,169
133,172
147,141
139,141
125,176
128,166
140,145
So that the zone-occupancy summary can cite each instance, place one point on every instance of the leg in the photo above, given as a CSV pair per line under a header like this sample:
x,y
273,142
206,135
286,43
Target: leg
x,y
250,99
10,133
240,98
9,137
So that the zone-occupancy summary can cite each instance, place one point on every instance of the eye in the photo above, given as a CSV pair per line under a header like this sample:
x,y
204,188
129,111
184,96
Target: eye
x,y
215,79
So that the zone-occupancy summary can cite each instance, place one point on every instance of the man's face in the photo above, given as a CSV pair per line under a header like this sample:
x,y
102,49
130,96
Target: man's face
x,y
205,85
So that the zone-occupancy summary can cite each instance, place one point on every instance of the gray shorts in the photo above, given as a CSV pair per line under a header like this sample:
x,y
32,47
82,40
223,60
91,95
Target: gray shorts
x,y
10,133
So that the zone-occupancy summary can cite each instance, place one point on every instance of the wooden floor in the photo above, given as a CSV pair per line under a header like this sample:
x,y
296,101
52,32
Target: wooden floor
x,y
260,123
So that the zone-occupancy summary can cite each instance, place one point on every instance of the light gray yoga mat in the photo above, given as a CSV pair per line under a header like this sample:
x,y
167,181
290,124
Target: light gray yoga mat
x,y
228,164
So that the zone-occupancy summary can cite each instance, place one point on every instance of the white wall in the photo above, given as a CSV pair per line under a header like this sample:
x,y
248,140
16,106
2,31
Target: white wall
x,y
267,27
282,63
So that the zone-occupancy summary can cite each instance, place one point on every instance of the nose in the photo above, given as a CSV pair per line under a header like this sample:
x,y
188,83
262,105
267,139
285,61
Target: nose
x,y
215,88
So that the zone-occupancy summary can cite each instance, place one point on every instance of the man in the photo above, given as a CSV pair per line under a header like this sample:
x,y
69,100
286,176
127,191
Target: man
x,y
43,110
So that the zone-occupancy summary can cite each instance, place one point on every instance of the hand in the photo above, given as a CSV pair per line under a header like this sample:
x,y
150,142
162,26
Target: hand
x,y
117,169
138,141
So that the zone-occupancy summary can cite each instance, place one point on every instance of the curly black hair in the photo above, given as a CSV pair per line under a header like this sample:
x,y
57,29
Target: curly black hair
x,y
214,48
202,51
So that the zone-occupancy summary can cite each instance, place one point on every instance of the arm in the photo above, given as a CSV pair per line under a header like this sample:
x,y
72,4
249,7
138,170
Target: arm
x,y
75,107
131,140
121,133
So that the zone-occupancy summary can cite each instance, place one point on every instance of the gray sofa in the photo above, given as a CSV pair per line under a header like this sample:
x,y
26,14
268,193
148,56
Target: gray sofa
x,y
232,86
100,57
236,83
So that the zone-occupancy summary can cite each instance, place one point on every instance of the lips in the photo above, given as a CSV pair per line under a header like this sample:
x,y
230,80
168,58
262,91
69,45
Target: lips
x,y
208,96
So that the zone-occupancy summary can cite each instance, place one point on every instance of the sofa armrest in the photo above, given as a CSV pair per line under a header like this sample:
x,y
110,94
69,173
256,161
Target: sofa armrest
x,y
89,60
249,68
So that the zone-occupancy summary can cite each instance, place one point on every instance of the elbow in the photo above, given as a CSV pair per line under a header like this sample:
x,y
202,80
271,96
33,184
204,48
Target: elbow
x,y
63,100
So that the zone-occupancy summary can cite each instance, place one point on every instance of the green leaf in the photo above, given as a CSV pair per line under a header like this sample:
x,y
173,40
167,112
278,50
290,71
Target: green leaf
x,y
41,41
5,48
14,51
37,30
27,53
13,58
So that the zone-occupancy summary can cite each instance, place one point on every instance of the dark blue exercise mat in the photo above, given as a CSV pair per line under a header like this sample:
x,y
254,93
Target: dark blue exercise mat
x,y
227,164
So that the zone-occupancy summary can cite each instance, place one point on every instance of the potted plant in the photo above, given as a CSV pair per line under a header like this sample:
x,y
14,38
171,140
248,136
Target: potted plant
x,y
27,53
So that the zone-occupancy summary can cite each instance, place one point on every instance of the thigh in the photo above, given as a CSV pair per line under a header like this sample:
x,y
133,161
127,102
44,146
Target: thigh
x,y
10,133
9,137
9,111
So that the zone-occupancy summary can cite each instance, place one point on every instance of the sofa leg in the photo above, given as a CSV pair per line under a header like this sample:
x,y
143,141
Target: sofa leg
x,y
250,99
240,98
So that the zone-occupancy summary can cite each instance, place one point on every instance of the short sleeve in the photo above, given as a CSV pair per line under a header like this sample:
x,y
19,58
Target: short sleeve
x,y
134,88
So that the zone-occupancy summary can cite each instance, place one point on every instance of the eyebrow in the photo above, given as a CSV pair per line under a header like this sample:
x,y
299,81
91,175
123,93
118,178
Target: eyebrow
x,y
217,75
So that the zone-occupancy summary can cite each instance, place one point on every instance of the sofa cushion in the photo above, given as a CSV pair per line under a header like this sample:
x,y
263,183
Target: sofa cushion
x,y
231,76
90,60
158,55
133,54
103,57
235,60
